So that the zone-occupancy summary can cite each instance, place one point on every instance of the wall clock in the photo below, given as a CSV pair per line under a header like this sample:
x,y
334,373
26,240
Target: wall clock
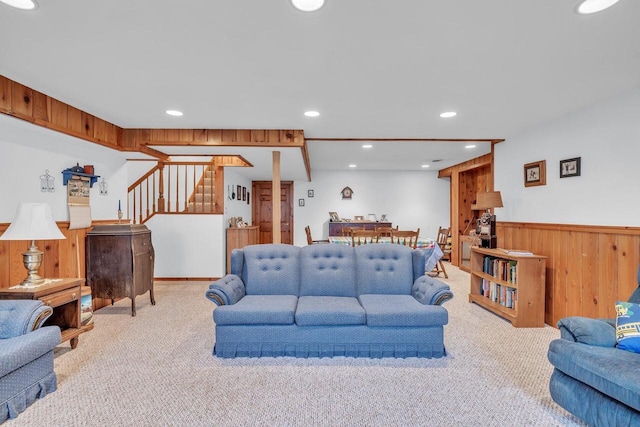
x,y
346,193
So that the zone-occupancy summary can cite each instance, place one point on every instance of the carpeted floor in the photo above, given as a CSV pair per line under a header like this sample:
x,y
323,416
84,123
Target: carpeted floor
x,y
156,369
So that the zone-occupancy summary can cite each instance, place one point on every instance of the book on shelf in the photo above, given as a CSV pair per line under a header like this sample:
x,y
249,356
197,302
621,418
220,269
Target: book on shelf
x,y
518,252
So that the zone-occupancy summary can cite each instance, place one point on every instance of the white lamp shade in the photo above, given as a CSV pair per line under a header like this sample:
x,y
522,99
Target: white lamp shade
x,y
33,221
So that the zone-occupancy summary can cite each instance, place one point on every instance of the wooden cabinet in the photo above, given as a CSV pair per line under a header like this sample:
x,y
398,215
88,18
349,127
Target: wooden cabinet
x,y
335,227
63,295
120,261
238,238
510,285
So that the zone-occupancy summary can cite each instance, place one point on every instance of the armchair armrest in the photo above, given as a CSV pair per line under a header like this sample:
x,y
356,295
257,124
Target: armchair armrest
x,y
587,331
430,291
226,291
18,317
20,350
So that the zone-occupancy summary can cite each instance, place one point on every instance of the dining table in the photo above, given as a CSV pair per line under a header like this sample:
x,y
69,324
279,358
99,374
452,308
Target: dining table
x,y
432,250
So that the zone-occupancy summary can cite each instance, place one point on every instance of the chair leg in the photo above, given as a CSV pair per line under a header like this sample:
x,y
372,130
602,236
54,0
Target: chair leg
x,y
446,276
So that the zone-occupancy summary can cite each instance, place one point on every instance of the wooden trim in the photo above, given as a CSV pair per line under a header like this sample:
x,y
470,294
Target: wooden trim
x,y
407,139
185,279
600,229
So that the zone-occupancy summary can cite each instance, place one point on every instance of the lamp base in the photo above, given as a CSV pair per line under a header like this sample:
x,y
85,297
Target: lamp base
x,y
32,260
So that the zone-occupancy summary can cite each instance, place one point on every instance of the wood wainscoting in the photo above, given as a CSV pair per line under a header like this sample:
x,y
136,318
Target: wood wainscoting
x,y
589,268
62,258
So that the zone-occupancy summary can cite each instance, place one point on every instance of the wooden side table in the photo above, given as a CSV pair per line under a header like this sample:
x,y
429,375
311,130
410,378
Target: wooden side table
x,y
64,297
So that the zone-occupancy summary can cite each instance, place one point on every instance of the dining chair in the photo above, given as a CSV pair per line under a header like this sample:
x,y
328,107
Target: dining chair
x,y
346,231
405,237
310,240
444,242
363,237
385,231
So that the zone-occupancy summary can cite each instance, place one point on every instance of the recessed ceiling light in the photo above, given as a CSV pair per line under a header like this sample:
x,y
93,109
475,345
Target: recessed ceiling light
x,y
174,113
470,146
448,114
352,165
592,6
307,5
425,166
21,4
367,146
311,113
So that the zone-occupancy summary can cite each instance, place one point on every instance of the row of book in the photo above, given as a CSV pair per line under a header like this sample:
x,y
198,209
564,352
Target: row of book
x,y
501,294
500,268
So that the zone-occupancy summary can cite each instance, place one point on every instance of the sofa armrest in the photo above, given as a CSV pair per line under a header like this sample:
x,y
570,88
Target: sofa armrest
x,y
431,291
18,317
226,291
587,331
18,351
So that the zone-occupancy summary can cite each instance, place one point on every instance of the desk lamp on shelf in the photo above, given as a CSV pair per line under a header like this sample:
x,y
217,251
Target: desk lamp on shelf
x,y
486,225
33,221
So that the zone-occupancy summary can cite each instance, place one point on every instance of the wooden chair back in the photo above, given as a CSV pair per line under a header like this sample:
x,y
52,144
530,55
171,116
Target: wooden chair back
x,y
346,231
310,240
385,231
405,237
444,242
363,237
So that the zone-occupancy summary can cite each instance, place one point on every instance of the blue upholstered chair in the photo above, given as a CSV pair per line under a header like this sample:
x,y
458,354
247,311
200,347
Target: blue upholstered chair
x,y
26,355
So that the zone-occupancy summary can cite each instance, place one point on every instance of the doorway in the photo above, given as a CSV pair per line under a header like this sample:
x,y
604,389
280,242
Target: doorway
x,y
262,211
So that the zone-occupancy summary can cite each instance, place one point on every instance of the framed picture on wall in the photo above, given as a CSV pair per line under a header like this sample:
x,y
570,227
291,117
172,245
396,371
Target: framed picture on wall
x,y
570,167
300,202
309,193
239,192
244,193
535,173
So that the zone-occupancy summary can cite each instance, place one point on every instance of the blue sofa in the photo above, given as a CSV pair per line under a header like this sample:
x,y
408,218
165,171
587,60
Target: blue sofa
x,y
592,378
26,355
329,300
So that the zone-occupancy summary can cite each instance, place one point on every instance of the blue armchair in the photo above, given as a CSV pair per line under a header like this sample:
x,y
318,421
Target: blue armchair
x,y
26,355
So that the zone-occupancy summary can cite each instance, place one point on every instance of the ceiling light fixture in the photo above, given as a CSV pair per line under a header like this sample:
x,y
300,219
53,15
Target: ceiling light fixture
x,y
311,113
448,114
352,165
367,146
307,5
175,113
470,146
425,166
21,4
592,6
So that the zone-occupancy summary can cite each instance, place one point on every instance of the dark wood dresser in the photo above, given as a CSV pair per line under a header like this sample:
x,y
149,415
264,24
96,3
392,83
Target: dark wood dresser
x,y
120,262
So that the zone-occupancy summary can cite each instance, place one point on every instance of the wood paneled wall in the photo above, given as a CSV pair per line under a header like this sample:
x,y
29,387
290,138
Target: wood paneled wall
x,y
589,268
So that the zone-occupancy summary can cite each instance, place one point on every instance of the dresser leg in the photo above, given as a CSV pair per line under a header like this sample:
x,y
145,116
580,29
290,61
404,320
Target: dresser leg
x,y
153,299
74,342
133,307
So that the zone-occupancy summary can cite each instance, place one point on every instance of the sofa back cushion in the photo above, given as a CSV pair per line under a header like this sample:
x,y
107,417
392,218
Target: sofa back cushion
x,y
384,269
328,270
272,269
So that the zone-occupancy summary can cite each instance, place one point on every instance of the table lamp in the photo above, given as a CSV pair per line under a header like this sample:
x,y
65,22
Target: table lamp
x,y
486,226
33,221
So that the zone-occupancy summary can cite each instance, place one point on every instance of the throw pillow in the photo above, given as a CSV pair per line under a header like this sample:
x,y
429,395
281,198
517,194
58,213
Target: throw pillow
x,y
628,326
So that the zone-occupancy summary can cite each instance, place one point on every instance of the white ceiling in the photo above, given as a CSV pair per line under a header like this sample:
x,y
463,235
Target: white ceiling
x,y
372,68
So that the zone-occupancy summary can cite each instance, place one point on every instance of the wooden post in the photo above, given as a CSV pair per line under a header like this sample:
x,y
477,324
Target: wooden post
x,y
161,202
275,191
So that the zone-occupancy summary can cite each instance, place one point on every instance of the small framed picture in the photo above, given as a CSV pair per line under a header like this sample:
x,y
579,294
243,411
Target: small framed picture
x,y
358,218
372,217
535,173
309,193
334,216
570,167
248,197
239,192
300,202
244,193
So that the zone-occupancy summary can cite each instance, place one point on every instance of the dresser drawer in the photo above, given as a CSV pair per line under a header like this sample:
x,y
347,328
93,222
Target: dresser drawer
x,y
60,298
142,243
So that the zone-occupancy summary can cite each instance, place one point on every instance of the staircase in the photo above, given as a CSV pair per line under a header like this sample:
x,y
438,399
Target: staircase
x,y
202,199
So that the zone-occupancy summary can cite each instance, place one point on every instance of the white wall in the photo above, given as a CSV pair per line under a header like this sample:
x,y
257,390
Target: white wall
x,y
236,207
22,163
188,246
607,138
411,200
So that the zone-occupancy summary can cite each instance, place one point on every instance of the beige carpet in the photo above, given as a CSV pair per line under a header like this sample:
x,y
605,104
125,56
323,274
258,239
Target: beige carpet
x,y
157,370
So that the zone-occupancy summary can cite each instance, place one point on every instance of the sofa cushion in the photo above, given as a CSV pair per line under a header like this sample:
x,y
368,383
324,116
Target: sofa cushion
x,y
272,269
384,269
610,370
328,270
327,310
587,331
628,326
258,309
401,310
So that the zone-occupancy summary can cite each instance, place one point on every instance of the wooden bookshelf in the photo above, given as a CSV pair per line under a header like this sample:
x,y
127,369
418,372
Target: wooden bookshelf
x,y
515,285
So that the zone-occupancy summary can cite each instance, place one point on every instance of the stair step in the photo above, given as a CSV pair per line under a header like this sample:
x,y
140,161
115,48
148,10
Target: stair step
x,y
199,207
206,197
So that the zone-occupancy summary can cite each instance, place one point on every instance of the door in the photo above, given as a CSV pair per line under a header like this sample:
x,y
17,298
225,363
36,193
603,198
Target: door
x,y
262,211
